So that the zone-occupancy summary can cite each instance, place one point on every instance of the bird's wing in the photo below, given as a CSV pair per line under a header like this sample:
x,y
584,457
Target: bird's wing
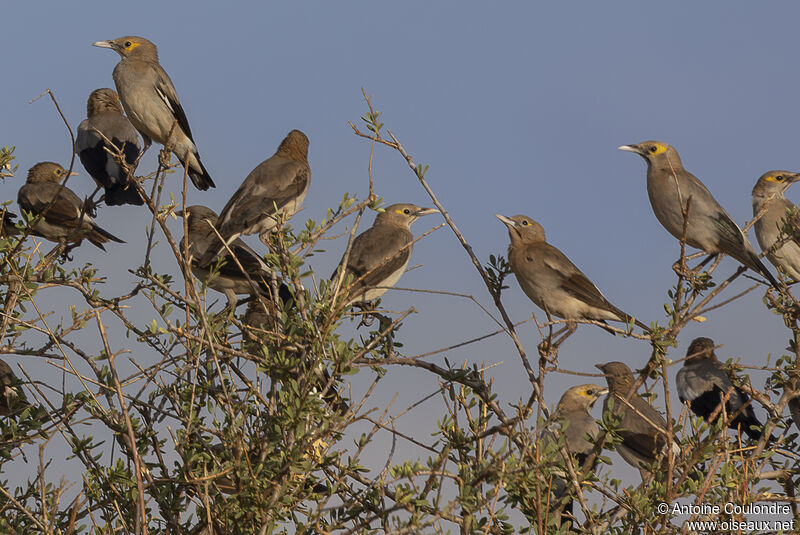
x,y
636,428
251,263
166,92
574,282
376,254
274,183
64,211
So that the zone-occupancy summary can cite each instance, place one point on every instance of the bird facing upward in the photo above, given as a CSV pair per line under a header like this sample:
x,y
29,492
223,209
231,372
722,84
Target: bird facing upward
x,y
551,280
380,254
642,428
104,119
703,384
152,104
768,196
709,226
60,209
274,190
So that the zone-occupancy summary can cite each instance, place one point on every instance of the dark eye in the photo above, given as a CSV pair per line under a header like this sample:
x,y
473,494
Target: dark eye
x,y
779,178
127,44
524,223
653,148
406,211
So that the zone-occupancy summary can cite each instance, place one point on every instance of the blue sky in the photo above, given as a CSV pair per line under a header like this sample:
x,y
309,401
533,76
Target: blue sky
x,y
516,107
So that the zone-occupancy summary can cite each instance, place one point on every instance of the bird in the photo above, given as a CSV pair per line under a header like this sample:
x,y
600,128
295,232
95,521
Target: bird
x,y
379,255
12,399
61,215
8,225
709,227
104,133
225,275
551,280
703,384
273,191
152,104
643,430
768,197
573,420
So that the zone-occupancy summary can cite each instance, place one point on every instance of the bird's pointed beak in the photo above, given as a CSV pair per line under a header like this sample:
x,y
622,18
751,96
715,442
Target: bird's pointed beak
x,y
426,211
73,173
602,392
104,44
630,148
794,178
179,213
506,220
600,367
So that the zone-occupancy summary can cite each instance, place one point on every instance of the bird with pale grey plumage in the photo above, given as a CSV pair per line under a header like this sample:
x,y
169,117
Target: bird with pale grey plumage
x,y
772,209
152,104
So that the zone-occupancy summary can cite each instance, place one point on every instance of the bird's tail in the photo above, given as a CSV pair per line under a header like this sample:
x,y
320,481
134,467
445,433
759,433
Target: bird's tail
x,y
98,237
758,266
198,173
120,194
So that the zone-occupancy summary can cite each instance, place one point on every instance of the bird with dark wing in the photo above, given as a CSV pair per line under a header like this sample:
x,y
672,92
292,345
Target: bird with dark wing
x,y
709,227
104,133
62,217
703,384
551,280
152,104
379,255
273,191
12,399
224,274
773,208
643,430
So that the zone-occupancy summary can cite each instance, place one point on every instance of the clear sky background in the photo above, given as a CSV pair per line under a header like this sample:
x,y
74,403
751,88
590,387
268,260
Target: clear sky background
x,y
516,107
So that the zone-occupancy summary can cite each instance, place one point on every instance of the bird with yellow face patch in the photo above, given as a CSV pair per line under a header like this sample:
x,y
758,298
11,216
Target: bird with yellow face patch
x,y
551,280
380,254
773,208
709,226
152,104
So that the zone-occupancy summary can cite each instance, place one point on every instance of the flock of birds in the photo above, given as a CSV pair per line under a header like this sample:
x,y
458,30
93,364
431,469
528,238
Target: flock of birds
x,y
109,147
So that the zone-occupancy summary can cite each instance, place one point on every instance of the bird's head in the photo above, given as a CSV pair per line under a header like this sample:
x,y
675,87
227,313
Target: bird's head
x,y
131,46
774,182
581,397
402,215
618,375
198,217
522,229
294,146
654,152
699,349
48,172
101,100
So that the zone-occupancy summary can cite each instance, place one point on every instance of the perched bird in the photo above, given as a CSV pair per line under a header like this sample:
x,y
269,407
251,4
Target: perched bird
x,y
768,197
8,224
704,384
152,104
11,397
580,430
379,255
223,274
550,280
274,190
104,121
60,210
643,430
709,226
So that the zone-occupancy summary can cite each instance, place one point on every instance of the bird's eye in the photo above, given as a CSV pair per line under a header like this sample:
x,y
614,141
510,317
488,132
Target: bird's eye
x,y
127,44
57,172
653,148
524,223
779,178
406,211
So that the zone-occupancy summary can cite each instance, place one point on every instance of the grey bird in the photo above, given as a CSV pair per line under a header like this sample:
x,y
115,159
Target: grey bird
x,y
104,133
12,399
573,420
152,104
643,430
551,280
703,384
274,190
379,255
61,219
768,198
8,225
223,274
709,226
